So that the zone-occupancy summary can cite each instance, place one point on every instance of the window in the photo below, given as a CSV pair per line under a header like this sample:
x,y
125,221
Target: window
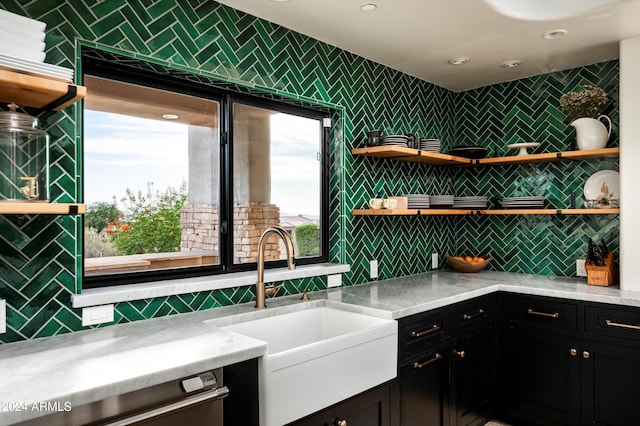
x,y
181,179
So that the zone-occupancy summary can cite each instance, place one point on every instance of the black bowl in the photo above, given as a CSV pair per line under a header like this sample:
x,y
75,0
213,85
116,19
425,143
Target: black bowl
x,y
474,152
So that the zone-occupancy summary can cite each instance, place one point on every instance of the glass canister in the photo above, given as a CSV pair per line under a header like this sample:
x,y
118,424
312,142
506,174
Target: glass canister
x,y
24,158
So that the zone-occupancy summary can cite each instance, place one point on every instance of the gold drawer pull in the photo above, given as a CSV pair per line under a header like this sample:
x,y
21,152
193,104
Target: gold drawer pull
x,y
433,329
543,314
437,357
621,325
472,316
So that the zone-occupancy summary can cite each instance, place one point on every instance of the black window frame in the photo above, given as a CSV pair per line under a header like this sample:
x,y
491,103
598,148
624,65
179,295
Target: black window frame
x,y
124,72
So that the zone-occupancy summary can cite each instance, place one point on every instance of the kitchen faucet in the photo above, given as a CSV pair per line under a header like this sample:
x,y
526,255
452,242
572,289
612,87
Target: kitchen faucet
x,y
261,292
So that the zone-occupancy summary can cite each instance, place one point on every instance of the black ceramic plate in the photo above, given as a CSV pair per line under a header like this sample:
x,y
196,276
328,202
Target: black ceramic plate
x,y
474,152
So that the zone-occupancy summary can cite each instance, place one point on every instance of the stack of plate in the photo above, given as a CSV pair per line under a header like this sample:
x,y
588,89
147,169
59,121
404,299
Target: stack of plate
x,y
395,140
22,47
441,201
417,201
431,145
523,202
470,202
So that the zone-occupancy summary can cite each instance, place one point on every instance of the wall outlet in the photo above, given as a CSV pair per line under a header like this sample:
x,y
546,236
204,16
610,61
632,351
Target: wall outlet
x,y
373,269
334,280
3,316
581,271
97,314
434,261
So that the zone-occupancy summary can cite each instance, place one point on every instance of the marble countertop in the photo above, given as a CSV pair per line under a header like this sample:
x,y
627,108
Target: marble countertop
x,y
400,297
88,366
91,365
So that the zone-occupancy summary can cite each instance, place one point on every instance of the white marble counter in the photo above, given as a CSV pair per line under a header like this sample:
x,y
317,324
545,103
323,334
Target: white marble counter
x,y
91,365
88,366
404,296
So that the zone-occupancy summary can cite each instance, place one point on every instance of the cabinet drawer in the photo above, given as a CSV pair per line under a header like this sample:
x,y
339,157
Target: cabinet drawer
x,y
421,332
548,313
613,322
475,312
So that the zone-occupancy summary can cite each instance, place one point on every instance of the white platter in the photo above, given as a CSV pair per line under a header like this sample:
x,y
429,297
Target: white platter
x,y
603,186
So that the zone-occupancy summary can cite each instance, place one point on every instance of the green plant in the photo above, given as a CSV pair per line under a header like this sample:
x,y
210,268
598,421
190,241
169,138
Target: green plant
x,y
151,223
587,103
99,215
307,240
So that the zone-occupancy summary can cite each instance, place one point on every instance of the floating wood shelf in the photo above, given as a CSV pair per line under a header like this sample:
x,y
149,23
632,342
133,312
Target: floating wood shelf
x,y
548,211
41,208
412,155
460,212
550,156
438,159
38,92
411,212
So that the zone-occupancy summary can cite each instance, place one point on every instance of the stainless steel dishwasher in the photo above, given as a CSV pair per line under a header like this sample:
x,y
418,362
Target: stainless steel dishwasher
x,y
193,401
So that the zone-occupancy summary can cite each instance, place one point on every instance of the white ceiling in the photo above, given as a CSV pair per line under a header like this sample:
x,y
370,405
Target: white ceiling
x,y
418,37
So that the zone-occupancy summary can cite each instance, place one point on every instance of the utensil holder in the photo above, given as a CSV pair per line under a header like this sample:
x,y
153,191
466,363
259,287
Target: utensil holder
x,y
602,275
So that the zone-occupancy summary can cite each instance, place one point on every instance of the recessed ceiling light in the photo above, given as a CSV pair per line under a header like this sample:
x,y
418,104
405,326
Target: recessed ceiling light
x,y
459,61
511,64
553,34
170,116
369,7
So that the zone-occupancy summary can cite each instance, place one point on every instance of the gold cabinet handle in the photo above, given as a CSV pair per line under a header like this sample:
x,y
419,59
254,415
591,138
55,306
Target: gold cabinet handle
x,y
573,352
621,325
340,422
460,354
467,317
433,329
543,314
586,355
436,357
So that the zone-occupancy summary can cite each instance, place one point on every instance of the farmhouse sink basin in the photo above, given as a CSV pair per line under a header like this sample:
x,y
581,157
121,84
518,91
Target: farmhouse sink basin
x,y
317,357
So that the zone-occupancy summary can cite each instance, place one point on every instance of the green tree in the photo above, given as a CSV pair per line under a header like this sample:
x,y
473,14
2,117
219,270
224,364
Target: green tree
x,y
307,240
99,215
151,224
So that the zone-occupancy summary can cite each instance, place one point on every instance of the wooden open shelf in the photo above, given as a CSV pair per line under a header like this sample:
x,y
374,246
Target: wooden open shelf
x,y
550,156
412,155
411,212
459,212
38,92
438,159
18,207
548,211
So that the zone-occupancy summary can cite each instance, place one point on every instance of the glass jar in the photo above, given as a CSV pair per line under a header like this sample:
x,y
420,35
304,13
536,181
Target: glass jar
x,y
24,158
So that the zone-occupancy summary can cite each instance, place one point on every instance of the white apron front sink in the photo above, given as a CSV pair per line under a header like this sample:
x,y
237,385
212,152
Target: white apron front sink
x,y
317,357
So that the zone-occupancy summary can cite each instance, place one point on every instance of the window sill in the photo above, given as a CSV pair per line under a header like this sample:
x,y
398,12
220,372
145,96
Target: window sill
x,y
126,293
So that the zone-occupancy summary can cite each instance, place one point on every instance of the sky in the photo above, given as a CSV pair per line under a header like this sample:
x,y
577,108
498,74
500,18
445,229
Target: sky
x,y
126,152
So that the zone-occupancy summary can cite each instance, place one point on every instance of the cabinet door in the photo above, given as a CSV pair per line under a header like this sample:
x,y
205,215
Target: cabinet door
x,y
424,390
473,377
544,377
368,409
610,378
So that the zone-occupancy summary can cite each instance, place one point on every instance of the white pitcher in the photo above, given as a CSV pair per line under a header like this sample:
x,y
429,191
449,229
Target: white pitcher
x,y
591,133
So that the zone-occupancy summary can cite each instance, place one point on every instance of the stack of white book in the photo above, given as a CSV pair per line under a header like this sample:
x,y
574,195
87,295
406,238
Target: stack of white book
x,y
22,47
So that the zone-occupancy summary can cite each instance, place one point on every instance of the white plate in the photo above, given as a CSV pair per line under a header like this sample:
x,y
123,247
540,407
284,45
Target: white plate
x,y
603,186
523,147
36,67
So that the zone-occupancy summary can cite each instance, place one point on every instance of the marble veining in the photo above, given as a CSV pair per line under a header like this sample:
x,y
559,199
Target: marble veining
x,y
94,364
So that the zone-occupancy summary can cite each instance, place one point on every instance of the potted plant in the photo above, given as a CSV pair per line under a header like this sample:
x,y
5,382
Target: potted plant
x,y
585,108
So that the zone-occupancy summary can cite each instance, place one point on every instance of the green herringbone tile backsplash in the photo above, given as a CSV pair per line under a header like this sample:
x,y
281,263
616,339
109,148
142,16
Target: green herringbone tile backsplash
x,y
205,41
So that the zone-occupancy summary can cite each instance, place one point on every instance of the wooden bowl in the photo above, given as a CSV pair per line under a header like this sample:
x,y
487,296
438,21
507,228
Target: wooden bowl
x,y
464,266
